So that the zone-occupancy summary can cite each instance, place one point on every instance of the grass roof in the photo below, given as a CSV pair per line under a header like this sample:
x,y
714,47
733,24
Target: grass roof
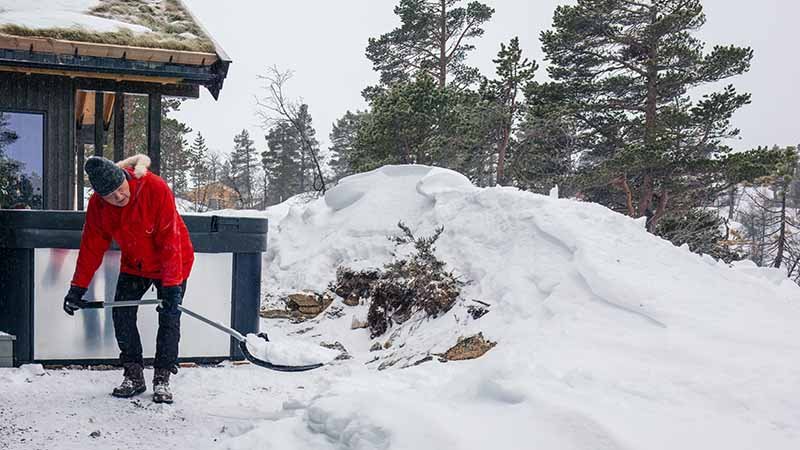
x,y
171,25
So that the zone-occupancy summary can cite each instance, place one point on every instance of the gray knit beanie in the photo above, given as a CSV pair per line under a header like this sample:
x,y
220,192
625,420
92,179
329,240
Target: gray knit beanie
x,y
105,176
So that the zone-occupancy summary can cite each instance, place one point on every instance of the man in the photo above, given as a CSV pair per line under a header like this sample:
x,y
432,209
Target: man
x,y
136,208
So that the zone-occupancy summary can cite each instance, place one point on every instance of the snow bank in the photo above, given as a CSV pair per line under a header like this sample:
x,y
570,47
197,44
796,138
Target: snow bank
x,y
608,337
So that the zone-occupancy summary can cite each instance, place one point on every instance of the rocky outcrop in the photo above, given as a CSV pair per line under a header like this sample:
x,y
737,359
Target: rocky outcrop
x,y
468,348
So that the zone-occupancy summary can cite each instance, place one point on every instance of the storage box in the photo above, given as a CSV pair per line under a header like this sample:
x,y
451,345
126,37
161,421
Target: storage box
x,y
6,350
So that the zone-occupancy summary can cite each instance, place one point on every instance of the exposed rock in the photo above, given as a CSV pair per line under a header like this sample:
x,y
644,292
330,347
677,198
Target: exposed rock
x,y
387,344
352,300
358,323
337,346
376,347
95,434
478,311
387,364
468,348
423,360
278,314
334,312
309,304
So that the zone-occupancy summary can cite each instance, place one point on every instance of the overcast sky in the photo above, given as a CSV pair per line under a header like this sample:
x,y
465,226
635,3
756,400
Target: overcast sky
x,y
323,42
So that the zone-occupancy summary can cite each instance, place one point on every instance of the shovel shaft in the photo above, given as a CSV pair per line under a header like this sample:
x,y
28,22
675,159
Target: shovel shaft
x,y
120,304
230,331
233,333
123,303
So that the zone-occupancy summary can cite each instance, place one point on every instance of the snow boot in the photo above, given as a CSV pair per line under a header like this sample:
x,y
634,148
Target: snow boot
x,y
161,392
133,383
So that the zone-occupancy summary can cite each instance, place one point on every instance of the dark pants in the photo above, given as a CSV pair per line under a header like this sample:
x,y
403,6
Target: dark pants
x,y
131,287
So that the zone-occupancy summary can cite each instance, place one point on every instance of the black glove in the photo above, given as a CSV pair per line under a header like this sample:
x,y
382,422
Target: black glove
x,y
74,300
170,299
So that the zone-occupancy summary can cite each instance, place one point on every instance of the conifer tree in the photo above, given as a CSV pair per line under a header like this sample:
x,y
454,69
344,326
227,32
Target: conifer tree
x,y
433,38
282,163
513,74
198,153
343,143
625,68
243,165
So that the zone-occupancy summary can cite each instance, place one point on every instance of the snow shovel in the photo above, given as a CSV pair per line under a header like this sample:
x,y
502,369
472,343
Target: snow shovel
x,y
230,331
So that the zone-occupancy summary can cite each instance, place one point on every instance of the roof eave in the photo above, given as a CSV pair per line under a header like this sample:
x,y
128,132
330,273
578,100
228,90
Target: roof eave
x,y
212,77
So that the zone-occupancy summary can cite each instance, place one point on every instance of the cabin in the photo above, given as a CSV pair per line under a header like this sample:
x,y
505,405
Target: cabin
x,y
68,68
66,74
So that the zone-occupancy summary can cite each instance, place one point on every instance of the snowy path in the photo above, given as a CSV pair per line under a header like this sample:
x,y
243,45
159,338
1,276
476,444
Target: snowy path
x,y
61,409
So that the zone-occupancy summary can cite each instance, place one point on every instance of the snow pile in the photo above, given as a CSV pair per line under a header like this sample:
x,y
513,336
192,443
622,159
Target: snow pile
x,y
608,337
289,353
39,14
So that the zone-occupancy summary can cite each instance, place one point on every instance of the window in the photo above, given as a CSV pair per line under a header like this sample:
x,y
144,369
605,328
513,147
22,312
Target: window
x,y
21,154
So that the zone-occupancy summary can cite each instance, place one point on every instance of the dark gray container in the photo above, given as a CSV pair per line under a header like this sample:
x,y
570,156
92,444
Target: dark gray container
x,y
6,350
28,237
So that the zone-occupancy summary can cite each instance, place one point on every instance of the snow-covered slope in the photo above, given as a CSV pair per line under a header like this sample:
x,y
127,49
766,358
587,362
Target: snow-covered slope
x,y
607,337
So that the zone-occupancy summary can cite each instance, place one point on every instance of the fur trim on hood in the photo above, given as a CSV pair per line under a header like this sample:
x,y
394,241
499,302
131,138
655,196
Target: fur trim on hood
x,y
139,162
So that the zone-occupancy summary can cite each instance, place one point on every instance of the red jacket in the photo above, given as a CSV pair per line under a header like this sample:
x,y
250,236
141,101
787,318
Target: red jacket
x,y
151,234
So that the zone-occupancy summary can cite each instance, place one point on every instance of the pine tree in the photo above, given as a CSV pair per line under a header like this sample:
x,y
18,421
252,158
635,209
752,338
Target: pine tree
x,y
416,123
545,142
282,163
433,39
625,68
306,135
513,74
175,154
769,223
343,142
198,153
243,165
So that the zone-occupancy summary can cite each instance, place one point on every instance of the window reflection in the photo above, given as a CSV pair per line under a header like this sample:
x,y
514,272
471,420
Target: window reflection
x,y
21,153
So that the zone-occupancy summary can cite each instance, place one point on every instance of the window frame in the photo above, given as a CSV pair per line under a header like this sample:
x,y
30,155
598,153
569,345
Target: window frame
x,y
45,154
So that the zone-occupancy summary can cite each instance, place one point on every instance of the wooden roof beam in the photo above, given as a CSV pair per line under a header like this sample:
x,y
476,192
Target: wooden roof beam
x,y
108,109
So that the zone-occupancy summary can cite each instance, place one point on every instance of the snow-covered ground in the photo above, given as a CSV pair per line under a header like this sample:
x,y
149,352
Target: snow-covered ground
x,y
607,338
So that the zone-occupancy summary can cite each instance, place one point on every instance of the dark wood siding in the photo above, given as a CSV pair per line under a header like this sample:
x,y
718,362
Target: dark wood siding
x,y
54,96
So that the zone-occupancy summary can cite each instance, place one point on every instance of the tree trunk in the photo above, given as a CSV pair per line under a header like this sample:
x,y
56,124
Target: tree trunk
x,y
660,211
443,44
650,120
731,201
302,169
501,153
782,233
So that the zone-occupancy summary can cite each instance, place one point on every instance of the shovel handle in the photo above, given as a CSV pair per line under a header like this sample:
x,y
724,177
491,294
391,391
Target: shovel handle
x,y
120,304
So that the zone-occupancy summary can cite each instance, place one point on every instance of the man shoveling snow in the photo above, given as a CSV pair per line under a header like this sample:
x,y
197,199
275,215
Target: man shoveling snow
x,y
136,208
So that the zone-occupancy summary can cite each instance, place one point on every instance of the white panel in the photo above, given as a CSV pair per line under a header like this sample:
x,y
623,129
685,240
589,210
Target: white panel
x,y
89,334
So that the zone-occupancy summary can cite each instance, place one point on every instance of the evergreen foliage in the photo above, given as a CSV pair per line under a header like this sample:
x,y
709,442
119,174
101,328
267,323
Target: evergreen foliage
x,y
242,166
625,70
433,39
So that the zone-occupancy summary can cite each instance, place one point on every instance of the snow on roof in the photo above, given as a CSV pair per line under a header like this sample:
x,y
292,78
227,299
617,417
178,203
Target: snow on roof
x,y
165,24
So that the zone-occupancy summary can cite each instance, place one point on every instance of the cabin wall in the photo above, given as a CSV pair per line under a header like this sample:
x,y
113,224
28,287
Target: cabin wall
x,y
55,97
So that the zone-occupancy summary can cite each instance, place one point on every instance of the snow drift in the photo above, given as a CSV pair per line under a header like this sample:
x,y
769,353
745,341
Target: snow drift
x,y
608,337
